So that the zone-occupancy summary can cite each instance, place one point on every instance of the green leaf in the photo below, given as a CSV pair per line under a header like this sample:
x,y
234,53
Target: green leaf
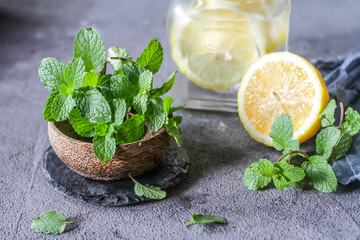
x,y
253,180
148,191
280,182
131,130
292,145
152,56
104,147
105,88
174,109
50,223
90,79
327,115
90,47
290,172
145,81
58,107
81,126
140,102
157,92
352,122
101,129
132,72
176,133
326,140
266,168
123,88
297,185
282,131
199,218
93,106
319,174
117,52
167,101
74,73
342,146
51,73
118,109
155,115
65,89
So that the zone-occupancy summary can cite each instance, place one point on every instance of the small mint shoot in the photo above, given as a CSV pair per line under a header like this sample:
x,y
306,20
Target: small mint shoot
x,y
200,218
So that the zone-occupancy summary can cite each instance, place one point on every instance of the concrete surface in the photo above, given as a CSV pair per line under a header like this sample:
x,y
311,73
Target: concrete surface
x,y
218,145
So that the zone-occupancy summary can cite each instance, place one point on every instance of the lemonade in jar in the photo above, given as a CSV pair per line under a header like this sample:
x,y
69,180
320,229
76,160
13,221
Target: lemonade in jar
x,y
213,42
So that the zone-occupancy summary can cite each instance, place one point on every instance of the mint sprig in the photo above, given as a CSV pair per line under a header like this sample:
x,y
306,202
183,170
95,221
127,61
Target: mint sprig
x,y
109,108
332,143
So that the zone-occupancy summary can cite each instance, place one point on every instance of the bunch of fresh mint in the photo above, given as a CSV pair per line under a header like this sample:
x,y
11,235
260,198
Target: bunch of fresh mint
x,y
109,108
332,143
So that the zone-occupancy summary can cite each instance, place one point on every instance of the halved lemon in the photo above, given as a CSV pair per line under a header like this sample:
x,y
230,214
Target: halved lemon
x,y
281,83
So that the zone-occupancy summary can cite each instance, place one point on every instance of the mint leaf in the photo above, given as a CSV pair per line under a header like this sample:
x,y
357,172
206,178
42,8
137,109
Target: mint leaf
x,y
167,101
118,109
118,53
297,185
280,182
81,126
327,115
132,72
326,140
123,88
145,81
352,122
74,73
105,88
157,92
51,73
58,107
282,131
253,180
90,47
101,129
199,218
290,172
266,168
319,174
90,79
148,191
342,146
131,130
104,147
152,56
174,130
93,106
155,114
174,109
140,102
50,223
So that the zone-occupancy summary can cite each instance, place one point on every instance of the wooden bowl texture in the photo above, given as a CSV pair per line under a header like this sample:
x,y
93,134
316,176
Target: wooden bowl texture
x,y
131,158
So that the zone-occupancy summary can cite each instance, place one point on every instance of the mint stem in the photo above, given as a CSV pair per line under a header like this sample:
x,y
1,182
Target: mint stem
x,y
129,113
342,115
103,71
291,152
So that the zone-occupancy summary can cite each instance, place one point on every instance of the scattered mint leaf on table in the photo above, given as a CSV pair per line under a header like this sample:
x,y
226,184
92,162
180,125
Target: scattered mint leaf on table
x,y
51,73
81,126
148,191
199,218
152,56
50,223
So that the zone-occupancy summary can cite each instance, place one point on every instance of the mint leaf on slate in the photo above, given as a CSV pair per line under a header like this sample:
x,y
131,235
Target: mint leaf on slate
x,y
352,122
253,179
81,126
93,106
157,92
101,129
118,109
104,147
140,102
58,107
90,79
74,73
118,63
282,131
131,130
147,190
123,88
155,115
51,73
50,223
319,174
342,146
152,56
280,182
90,47
199,218
327,115
132,72
167,101
145,81
266,168
326,140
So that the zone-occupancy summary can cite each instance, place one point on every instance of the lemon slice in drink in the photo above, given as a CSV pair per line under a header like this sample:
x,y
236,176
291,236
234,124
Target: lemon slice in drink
x,y
215,54
281,83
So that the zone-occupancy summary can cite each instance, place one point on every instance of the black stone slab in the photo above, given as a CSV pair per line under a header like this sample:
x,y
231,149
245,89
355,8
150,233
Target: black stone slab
x,y
113,193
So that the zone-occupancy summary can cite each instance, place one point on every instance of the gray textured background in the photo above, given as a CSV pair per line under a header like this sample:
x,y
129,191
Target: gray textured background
x,y
218,145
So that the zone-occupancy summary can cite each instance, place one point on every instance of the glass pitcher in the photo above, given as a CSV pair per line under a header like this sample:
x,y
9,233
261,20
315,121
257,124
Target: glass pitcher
x,y
213,42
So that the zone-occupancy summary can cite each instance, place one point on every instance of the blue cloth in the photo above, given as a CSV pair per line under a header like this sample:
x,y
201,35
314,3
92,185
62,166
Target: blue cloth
x,y
342,77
